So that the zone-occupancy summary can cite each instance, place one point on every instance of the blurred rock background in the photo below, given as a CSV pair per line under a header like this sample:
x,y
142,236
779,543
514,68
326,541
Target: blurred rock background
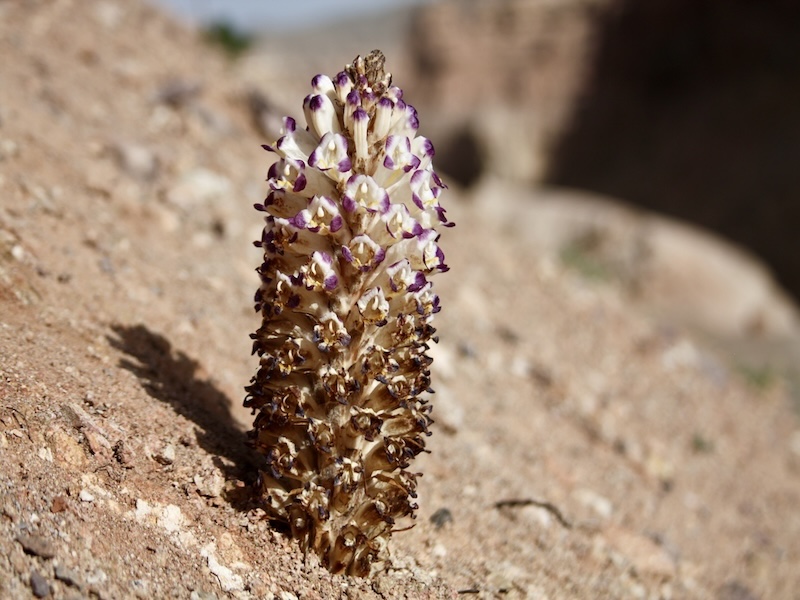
x,y
686,107
649,143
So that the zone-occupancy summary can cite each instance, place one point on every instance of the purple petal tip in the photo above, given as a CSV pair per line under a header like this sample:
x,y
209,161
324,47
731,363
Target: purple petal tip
x,y
299,220
419,283
316,102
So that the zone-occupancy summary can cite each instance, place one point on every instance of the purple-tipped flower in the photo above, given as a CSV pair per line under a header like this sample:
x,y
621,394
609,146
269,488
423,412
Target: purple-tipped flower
x,y
349,244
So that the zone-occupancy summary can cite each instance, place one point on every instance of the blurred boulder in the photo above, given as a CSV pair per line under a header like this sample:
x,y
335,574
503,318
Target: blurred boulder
x,y
686,107
508,72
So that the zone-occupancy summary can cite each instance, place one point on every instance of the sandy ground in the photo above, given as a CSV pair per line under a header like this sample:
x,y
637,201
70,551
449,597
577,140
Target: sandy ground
x,y
581,450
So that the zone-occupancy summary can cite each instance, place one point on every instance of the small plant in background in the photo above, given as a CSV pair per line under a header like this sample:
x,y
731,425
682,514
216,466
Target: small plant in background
x,y
759,377
583,254
229,38
701,444
349,244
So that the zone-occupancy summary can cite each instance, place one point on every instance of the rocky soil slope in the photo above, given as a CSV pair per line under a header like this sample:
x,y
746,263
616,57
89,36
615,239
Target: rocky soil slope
x,y
582,450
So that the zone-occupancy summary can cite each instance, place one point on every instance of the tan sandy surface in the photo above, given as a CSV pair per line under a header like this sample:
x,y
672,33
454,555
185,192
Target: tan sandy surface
x,y
582,449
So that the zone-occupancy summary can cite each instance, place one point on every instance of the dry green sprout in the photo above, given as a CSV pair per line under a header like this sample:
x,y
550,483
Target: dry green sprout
x,y
349,244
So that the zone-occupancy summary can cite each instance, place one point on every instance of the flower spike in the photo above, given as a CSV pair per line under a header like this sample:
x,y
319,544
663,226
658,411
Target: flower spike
x,y
349,246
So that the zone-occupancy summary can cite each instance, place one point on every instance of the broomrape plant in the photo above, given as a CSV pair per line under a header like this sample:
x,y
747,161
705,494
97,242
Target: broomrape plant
x,y
349,244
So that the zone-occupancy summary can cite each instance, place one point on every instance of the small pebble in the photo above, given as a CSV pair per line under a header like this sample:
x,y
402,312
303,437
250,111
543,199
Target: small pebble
x,y
140,588
18,252
228,580
167,455
67,576
124,454
600,504
39,585
733,590
58,505
8,149
86,496
138,161
467,350
178,92
170,518
97,577
210,486
9,511
441,517
36,545
18,560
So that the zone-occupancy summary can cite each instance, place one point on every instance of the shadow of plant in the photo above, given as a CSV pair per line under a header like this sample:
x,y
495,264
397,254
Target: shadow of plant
x,y
172,377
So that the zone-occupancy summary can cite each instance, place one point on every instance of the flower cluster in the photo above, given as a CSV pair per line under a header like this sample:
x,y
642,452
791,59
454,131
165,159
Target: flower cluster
x,y
349,245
